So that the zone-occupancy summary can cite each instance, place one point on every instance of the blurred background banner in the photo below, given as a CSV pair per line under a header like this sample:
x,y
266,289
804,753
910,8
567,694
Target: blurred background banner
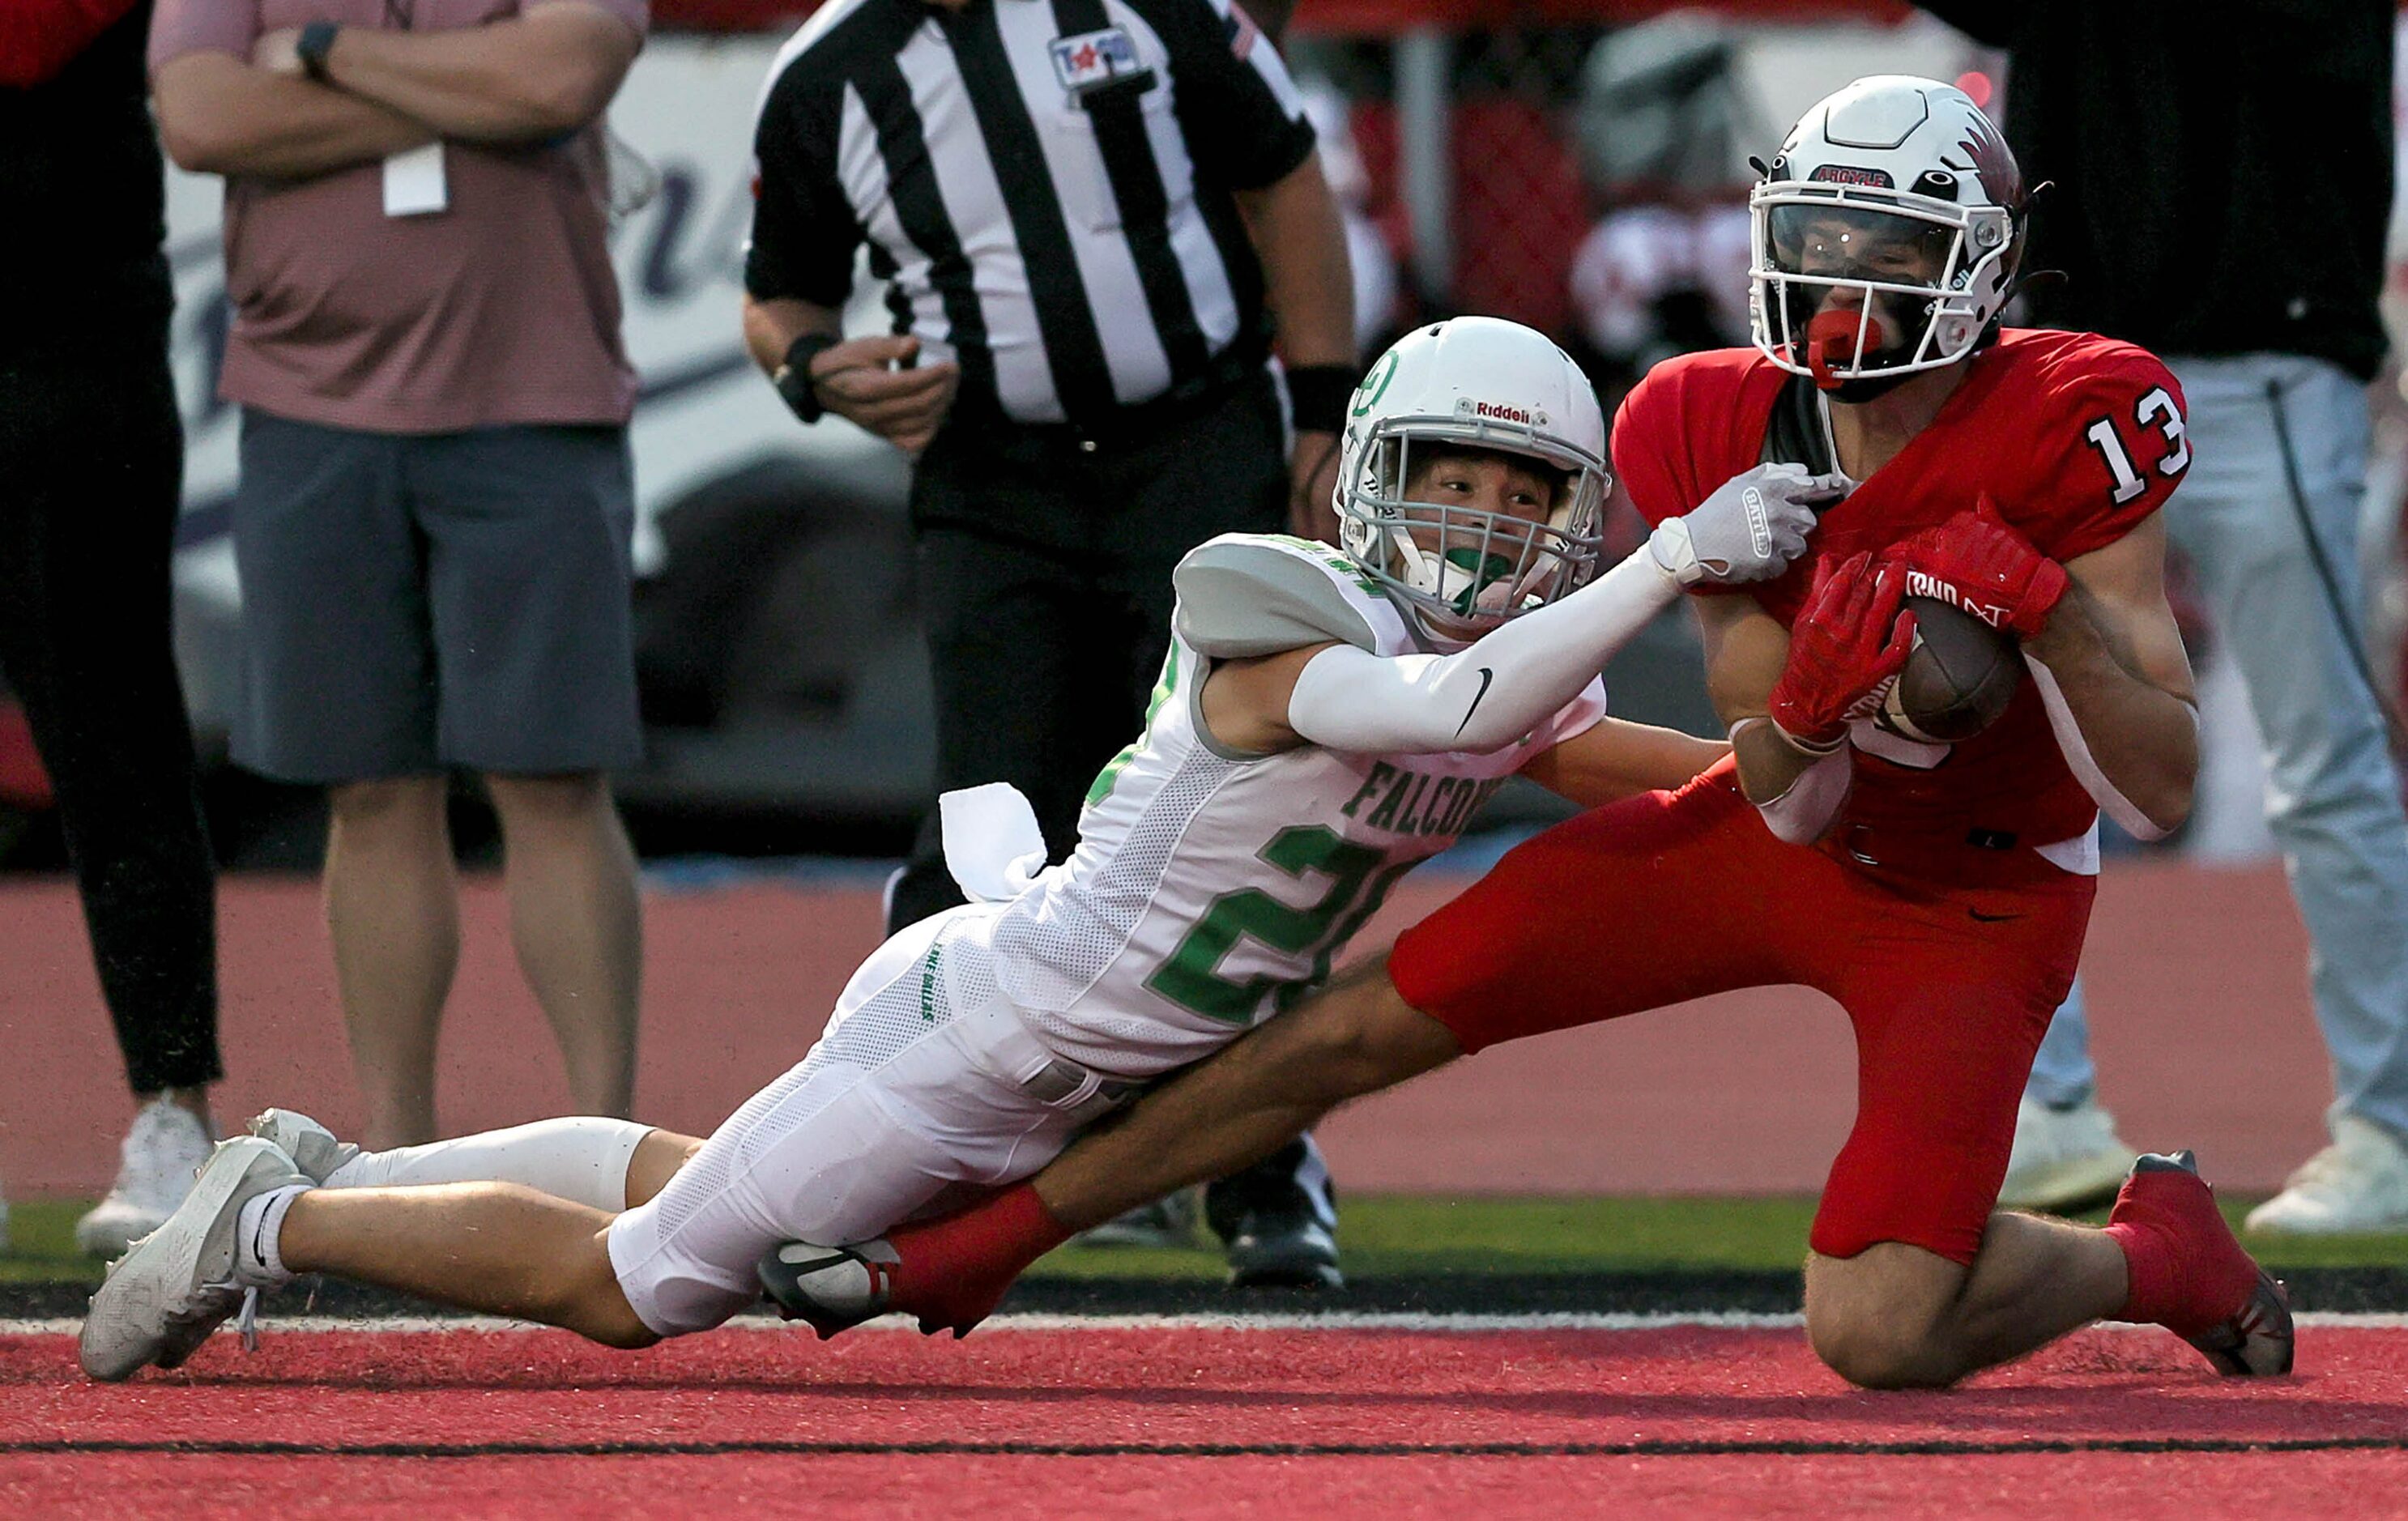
x,y
1580,165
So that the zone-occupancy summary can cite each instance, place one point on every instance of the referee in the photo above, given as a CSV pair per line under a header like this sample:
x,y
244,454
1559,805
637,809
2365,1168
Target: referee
x,y
1089,216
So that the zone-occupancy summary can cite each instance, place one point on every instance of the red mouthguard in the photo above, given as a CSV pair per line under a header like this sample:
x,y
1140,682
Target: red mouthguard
x,y
1831,341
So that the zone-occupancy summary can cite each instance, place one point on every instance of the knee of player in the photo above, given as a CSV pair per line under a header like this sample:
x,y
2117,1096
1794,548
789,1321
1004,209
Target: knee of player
x,y
1875,1353
592,1303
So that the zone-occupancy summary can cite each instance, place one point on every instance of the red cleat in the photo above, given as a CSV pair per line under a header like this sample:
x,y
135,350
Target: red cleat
x,y
2190,1273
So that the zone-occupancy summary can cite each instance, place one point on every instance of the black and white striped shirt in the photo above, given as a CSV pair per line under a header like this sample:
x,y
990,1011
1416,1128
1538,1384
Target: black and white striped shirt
x,y
1045,186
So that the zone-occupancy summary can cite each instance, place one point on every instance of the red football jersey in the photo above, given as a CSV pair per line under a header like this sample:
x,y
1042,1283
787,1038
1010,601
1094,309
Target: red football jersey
x,y
2073,437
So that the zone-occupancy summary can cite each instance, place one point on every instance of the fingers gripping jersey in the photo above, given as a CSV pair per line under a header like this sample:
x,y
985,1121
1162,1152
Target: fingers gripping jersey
x,y
2074,438
1212,888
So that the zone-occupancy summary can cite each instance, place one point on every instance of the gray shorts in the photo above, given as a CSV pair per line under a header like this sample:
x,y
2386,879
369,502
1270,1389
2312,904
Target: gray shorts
x,y
417,601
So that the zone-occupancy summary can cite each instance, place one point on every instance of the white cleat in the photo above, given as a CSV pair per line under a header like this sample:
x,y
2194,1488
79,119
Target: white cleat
x,y
314,1151
2358,1183
178,1283
163,1148
2064,1158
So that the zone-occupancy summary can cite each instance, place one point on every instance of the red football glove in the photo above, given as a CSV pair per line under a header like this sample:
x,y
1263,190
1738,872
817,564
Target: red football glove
x,y
1845,648
1976,562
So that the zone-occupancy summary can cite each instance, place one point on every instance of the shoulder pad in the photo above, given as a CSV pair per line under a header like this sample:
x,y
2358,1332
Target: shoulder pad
x,y
1247,595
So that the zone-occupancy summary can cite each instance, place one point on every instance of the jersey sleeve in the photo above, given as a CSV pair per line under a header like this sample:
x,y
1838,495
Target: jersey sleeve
x,y
2116,446
1650,439
1243,595
804,232
1245,123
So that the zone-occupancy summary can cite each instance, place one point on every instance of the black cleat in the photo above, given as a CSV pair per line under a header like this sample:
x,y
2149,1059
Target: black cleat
x,y
828,1288
1286,1249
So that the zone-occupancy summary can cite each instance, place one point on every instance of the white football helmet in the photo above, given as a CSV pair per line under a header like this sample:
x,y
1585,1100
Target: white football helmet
x,y
1486,383
1885,234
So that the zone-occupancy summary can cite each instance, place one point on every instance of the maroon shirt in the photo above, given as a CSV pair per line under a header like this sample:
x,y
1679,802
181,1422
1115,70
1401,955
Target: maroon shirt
x,y
502,308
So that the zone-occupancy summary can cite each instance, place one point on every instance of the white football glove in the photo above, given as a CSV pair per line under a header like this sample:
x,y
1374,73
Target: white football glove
x,y
1750,530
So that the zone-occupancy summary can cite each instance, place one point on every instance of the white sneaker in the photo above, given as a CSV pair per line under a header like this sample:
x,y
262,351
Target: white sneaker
x,y
166,1145
2064,1158
313,1147
2358,1183
181,1281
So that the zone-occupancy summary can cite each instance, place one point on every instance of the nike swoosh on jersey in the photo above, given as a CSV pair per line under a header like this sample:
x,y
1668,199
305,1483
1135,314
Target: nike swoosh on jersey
x,y
1981,918
1486,676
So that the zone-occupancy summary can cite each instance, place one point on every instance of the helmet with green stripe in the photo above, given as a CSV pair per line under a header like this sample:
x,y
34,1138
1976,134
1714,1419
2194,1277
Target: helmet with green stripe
x,y
1473,384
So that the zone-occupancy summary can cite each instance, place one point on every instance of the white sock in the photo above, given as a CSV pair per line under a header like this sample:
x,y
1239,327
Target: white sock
x,y
258,1263
582,1158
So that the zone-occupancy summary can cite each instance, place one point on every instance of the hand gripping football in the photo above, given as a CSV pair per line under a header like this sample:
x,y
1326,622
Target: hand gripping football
x,y
1957,679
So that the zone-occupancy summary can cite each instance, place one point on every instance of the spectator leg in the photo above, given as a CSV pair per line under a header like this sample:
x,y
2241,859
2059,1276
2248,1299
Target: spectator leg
x,y
2334,793
578,925
93,465
393,907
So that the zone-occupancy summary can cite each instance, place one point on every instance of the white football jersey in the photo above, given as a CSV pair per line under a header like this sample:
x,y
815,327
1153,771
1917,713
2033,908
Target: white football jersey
x,y
1212,888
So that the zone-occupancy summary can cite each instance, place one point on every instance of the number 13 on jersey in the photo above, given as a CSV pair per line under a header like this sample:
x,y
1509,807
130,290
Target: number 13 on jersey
x,y
2155,410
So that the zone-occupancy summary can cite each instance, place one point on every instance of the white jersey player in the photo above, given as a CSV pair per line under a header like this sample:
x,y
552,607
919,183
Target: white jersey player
x,y
1327,717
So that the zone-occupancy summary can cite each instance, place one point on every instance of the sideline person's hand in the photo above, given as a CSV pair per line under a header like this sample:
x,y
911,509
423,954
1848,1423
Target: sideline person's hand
x,y
277,52
1313,480
903,406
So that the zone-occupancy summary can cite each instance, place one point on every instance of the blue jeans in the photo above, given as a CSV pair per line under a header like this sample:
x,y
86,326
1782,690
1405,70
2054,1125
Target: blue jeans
x,y
2332,795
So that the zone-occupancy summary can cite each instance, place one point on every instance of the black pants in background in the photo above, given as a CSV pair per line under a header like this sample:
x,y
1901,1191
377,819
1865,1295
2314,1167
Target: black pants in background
x,y
92,457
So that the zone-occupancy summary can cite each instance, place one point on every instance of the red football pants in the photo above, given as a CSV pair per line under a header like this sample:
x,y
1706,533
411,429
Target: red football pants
x,y
1675,895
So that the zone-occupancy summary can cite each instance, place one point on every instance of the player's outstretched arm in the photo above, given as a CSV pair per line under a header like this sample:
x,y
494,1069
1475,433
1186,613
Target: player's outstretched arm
x,y
1614,758
1501,688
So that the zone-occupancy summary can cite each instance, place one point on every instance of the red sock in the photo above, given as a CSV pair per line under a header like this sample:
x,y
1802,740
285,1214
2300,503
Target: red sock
x,y
2187,1273
953,1270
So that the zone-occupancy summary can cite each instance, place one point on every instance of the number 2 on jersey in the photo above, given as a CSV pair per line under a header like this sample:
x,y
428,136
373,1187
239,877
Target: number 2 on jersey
x,y
1191,978
2157,410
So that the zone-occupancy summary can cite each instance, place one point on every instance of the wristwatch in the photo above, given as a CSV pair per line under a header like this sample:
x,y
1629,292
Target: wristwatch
x,y
316,40
793,376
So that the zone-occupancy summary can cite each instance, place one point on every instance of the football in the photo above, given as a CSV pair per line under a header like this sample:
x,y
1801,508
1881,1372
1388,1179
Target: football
x,y
1958,678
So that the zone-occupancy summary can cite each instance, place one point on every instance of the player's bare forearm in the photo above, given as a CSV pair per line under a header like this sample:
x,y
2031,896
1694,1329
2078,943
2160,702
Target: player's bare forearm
x,y
1618,759
2114,658
1745,650
2143,738
771,327
546,73
219,115
1355,1037
1307,280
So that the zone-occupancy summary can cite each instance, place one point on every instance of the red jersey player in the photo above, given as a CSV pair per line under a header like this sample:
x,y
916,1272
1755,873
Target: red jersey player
x,y
1938,892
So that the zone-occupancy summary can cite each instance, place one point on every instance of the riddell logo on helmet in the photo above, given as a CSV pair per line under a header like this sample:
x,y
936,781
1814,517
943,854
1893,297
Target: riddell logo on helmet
x,y
1844,174
1500,412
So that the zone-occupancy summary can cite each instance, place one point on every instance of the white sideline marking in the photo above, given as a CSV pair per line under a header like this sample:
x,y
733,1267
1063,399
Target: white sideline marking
x,y
1331,1321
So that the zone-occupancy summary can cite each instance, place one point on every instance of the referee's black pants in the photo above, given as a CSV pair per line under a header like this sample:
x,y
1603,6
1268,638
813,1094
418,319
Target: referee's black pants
x,y
1044,578
92,457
